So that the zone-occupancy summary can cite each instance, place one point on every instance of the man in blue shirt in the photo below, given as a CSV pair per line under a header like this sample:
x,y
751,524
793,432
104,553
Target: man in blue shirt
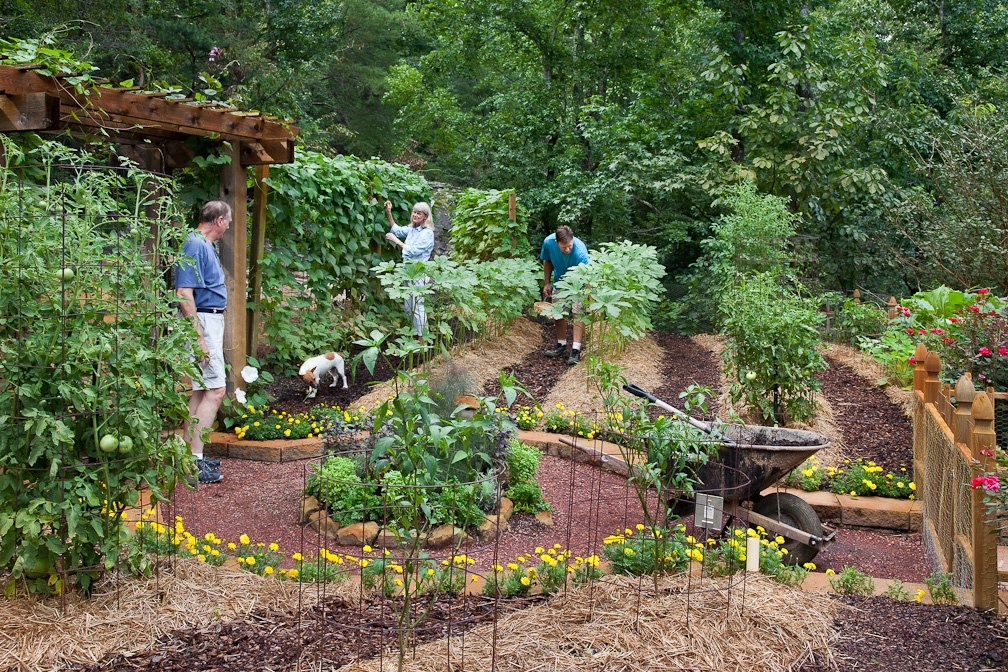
x,y
202,294
560,252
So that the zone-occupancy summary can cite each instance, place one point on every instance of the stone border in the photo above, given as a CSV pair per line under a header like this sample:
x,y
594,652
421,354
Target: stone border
x,y
227,444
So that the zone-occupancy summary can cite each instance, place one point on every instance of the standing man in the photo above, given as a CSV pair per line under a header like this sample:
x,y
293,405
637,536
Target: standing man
x,y
199,285
418,245
560,252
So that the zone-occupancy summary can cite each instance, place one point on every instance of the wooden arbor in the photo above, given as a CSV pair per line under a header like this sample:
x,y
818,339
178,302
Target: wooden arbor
x,y
152,129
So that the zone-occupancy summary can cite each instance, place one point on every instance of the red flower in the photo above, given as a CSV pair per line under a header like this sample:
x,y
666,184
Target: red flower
x,y
985,352
910,330
1002,350
975,309
988,483
937,330
953,320
983,291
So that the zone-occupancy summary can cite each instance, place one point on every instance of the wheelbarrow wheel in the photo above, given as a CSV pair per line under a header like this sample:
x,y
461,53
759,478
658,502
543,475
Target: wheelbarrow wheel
x,y
796,512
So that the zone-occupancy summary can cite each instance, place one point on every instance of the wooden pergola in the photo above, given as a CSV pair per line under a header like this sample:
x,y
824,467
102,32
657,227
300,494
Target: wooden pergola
x,y
152,128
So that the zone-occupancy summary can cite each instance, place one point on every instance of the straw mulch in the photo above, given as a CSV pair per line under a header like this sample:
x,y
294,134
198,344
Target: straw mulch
x,y
128,614
640,363
755,625
481,359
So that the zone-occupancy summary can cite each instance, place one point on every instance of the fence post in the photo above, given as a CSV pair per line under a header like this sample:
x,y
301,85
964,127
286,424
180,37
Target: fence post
x,y
932,385
965,393
892,307
985,574
919,373
857,296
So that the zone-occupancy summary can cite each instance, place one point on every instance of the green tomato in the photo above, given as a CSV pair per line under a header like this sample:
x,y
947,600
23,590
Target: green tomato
x,y
751,375
125,444
108,443
66,274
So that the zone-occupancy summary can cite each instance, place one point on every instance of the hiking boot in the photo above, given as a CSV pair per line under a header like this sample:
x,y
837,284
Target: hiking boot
x,y
558,351
574,358
207,473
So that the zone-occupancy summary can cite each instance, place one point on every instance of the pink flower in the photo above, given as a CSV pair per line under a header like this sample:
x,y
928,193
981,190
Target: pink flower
x,y
1002,350
985,352
988,483
937,330
987,452
921,332
975,309
912,360
910,330
983,291
954,320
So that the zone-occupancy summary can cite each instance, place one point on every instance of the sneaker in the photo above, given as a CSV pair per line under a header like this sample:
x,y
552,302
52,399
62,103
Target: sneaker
x,y
574,358
207,473
213,463
558,351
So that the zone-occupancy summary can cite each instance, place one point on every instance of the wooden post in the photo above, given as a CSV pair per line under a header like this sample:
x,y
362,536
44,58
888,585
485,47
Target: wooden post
x,y
892,307
513,206
919,374
234,192
965,393
985,573
857,296
256,249
932,385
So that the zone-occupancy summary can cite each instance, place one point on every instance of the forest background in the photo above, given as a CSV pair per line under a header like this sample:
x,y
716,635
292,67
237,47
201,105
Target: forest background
x,y
883,124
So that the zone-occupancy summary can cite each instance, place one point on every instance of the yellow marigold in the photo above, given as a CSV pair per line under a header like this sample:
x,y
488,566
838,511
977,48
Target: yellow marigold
x,y
244,539
525,581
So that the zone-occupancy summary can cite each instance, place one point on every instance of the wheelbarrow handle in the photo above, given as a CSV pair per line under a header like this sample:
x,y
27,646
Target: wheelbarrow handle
x,y
644,394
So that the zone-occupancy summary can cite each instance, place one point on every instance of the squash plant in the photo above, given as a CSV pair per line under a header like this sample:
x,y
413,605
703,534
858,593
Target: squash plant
x,y
91,357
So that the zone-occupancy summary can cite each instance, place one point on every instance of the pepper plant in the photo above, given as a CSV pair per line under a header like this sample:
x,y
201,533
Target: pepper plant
x,y
92,354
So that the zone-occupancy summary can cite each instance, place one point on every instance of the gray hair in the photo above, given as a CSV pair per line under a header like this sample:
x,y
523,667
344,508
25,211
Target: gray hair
x,y
426,210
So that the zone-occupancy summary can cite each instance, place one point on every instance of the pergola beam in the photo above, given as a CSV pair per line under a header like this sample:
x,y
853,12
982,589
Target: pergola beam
x,y
28,112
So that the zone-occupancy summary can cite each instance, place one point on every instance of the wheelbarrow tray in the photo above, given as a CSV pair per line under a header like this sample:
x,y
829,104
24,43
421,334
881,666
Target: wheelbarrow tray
x,y
753,458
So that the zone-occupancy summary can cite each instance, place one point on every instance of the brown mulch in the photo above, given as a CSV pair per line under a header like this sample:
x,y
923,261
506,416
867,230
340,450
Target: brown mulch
x,y
873,426
260,499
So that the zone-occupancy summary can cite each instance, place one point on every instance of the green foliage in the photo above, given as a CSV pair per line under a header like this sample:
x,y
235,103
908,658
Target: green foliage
x,y
523,461
481,229
261,423
336,485
771,351
896,590
941,589
619,289
326,233
462,299
527,417
91,356
852,581
857,320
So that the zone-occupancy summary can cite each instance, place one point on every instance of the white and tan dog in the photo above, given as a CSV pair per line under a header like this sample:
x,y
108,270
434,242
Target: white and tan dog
x,y
313,369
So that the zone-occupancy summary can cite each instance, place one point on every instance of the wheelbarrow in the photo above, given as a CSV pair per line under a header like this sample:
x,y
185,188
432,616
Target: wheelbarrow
x,y
750,459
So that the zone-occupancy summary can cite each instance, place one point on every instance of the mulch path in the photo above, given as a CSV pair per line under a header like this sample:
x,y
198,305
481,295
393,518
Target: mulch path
x,y
874,634
873,427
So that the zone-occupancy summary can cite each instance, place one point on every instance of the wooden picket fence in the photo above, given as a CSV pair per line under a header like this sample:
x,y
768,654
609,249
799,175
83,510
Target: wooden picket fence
x,y
953,442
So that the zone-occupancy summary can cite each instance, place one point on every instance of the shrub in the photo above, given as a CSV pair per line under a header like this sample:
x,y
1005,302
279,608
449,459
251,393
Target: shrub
x,y
336,485
481,229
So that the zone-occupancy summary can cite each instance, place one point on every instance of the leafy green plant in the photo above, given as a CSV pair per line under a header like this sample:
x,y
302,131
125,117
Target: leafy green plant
x,y
336,485
91,356
852,581
858,320
771,353
940,587
481,229
619,290
896,590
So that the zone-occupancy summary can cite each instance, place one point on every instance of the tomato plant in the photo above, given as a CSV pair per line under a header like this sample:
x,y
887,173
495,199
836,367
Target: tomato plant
x,y
91,356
